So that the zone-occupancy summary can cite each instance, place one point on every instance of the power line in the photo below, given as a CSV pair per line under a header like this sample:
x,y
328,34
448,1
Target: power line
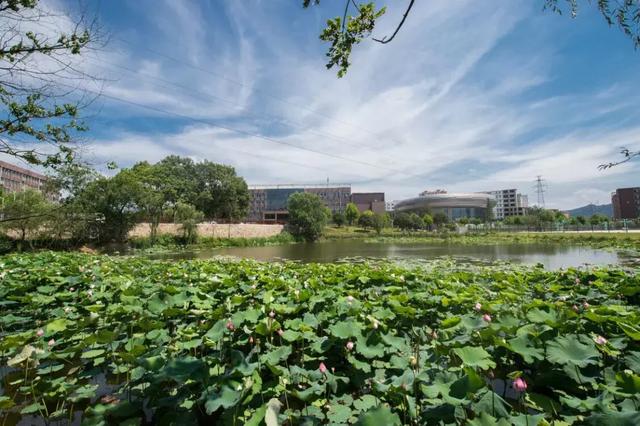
x,y
244,132
208,96
239,83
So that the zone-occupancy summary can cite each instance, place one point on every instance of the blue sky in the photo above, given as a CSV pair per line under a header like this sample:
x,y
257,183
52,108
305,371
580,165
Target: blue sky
x,y
470,96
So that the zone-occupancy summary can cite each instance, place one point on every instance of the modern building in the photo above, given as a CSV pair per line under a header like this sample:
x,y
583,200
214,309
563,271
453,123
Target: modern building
x,y
455,205
373,201
626,203
16,179
268,203
509,203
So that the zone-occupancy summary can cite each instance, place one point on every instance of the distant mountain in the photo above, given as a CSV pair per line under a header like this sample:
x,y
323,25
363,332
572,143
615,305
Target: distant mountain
x,y
591,209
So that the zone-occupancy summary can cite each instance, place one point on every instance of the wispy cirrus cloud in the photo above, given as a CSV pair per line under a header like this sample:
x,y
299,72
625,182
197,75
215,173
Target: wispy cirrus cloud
x,y
468,97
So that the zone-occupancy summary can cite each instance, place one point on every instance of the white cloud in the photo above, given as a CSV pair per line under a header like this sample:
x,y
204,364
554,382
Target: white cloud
x,y
447,104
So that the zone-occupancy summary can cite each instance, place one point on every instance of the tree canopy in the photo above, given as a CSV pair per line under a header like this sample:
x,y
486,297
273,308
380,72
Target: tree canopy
x,y
41,108
307,216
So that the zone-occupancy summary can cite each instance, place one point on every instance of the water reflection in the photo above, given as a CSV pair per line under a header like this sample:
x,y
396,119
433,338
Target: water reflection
x,y
552,256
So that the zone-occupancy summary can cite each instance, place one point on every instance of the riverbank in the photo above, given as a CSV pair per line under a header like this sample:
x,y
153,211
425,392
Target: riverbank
x,y
612,240
229,339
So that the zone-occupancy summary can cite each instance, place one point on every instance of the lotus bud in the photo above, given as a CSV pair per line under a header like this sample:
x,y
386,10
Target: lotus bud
x,y
486,317
72,289
40,333
575,308
520,385
478,306
434,334
280,332
586,305
272,314
51,342
413,361
251,340
322,368
376,324
577,280
333,370
349,345
230,326
349,299
600,340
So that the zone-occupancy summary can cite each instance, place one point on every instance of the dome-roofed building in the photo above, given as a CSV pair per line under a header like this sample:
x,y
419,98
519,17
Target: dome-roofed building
x,y
455,205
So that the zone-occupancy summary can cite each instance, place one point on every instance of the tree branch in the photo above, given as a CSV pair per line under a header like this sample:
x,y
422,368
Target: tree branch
x,y
385,40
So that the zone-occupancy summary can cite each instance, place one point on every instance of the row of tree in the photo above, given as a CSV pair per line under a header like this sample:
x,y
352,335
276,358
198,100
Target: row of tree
x,y
79,204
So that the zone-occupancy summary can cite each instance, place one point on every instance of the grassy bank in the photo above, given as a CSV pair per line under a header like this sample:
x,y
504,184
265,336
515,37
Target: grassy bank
x,y
614,240
166,242
215,342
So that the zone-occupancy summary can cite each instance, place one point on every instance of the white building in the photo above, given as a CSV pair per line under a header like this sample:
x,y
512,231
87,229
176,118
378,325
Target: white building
x,y
509,203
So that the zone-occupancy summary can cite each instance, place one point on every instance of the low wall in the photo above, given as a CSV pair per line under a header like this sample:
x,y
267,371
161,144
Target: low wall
x,y
238,230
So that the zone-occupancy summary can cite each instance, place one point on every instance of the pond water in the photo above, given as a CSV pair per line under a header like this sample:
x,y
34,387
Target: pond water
x,y
552,256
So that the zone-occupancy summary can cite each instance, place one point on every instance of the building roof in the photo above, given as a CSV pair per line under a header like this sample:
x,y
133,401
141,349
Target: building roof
x,y
24,171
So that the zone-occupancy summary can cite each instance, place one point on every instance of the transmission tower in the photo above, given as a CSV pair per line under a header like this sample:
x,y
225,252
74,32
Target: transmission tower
x,y
541,188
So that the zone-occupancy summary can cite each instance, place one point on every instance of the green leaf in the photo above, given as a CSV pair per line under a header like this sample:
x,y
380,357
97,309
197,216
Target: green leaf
x,y
93,353
475,357
572,350
216,332
380,416
226,398
273,358
630,330
339,413
6,402
57,325
522,346
345,329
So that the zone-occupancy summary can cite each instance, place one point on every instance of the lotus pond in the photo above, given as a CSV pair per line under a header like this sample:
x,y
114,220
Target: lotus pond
x,y
107,340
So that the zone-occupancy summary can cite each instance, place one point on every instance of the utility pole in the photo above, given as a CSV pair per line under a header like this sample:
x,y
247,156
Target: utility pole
x,y
540,188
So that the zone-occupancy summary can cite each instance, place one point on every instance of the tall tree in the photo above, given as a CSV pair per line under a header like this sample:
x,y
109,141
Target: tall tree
x,y
351,213
221,193
115,199
38,75
307,216
25,213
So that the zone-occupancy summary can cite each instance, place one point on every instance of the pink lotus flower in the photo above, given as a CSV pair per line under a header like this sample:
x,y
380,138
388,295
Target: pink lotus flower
x,y
322,368
520,385
230,326
478,306
272,314
51,342
600,340
40,333
350,345
486,317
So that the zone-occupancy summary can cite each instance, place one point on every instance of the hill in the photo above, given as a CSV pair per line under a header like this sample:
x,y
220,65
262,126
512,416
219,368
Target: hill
x,y
590,209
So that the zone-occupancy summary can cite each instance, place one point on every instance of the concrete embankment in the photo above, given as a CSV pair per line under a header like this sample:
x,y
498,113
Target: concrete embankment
x,y
237,230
